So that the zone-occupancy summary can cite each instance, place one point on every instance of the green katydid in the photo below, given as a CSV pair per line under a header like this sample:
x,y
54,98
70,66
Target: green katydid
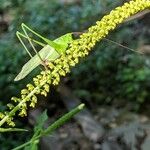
x,y
51,50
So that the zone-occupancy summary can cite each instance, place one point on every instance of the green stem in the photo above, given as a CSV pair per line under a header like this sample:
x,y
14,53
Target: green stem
x,y
23,145
63,119
54,126
11,129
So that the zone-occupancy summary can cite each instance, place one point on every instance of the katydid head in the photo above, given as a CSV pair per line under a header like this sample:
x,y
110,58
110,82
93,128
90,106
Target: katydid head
x,y
63,42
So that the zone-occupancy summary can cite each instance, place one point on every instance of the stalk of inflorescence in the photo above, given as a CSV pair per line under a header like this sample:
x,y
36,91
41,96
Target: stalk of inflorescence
x,y
62,120
17,107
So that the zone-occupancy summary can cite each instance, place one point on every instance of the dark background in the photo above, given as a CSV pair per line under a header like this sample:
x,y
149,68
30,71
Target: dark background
x,y
113,82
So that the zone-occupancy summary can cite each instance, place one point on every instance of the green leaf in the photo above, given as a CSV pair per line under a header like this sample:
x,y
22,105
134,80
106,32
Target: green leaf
x,y
40,123
41,120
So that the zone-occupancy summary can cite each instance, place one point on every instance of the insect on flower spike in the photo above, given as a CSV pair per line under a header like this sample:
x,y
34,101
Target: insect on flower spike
x,y
47,53
19,35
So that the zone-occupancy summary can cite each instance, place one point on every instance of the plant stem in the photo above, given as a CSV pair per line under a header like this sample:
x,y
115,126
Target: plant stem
x,y
63,119
54,126
11,129
23,145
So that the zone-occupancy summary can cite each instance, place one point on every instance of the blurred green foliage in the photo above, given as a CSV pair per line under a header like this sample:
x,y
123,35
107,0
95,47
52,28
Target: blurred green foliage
x,y
109,73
